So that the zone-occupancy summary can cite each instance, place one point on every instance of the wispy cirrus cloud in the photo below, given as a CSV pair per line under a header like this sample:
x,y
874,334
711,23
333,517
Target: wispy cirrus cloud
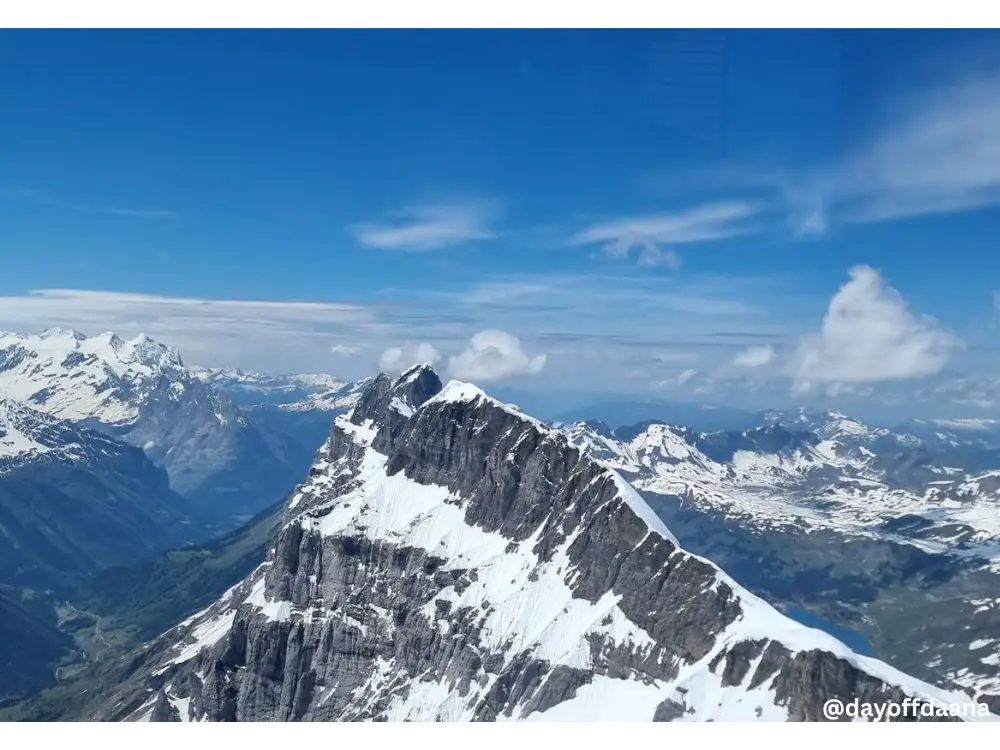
x,y
40,198
938,153
557,328
933,152
430,227
655,235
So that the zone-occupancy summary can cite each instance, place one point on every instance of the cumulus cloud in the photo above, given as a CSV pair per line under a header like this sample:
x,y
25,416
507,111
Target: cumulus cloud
x,y
494,355
429,227
396,359
343,350
869,334
755,356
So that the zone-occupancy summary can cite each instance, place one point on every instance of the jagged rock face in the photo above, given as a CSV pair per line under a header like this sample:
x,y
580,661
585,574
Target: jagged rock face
x,y
449,558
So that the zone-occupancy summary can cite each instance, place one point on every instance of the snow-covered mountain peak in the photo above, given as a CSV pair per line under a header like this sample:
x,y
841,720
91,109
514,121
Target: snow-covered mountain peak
x,y
462,562
416,371
826,424
145,351
140,391
61,333
76,377
458,391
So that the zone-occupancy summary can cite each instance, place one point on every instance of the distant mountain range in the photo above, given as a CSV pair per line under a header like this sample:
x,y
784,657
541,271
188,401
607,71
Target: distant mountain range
x,y
872,527
216,452
948,394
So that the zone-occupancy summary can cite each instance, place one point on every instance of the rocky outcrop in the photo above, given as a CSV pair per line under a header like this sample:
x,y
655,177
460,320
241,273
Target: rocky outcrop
x,y
449,558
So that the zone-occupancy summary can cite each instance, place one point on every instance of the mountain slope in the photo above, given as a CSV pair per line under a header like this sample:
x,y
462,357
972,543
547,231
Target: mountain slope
x,y
863,526
32,643
450,558
74,500
140,391
139,602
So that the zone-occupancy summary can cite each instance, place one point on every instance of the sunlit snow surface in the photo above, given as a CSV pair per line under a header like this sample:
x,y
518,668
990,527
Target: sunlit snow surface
x,y
28,435
76,377
531,608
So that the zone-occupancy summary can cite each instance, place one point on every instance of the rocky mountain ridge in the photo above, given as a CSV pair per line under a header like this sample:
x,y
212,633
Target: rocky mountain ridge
x,y
450,558
868,525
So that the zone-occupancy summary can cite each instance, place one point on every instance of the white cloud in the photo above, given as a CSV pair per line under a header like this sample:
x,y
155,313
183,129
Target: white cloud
x,y
678,380
343,350
933,152
940,153
216,332
396,359
494,355
655,257
40,198
755,356
650,234
499,292
609,323
429,227
869,335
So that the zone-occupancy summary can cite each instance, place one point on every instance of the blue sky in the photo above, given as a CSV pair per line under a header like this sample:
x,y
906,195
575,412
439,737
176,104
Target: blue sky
x,y
657,212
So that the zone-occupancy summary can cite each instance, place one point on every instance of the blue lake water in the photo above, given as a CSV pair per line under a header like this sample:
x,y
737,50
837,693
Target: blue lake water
x,y
851,638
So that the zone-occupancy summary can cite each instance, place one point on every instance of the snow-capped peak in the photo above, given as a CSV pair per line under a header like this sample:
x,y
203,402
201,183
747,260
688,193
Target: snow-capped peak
x,y
457,391
73,376
415,371
144,350
454,563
